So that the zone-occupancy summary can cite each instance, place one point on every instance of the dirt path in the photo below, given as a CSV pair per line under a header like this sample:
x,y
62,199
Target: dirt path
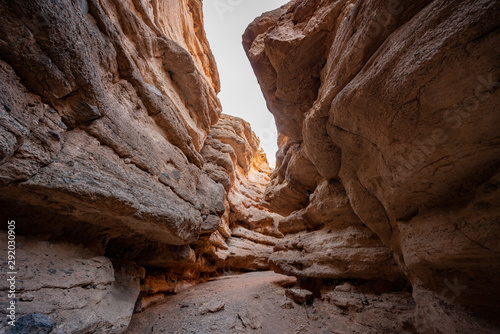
x,y
251,304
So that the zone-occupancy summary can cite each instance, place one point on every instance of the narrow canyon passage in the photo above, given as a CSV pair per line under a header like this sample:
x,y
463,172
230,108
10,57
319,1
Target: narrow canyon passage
x,y
227,304
132,204
257,303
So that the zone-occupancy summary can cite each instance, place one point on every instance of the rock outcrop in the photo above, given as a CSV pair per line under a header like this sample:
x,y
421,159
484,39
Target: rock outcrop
x,y
388,167
247,230
123,185
81,290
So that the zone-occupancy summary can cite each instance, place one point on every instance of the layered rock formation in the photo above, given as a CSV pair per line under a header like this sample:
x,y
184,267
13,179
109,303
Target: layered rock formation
x,y
247,230
127,184
111,163
242,239
388,166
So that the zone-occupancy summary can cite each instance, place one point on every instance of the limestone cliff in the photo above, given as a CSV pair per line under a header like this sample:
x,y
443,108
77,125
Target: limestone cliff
x,y
111,163
388,167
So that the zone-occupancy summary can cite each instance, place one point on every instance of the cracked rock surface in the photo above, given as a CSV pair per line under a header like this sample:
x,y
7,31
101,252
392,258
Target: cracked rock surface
x,y
388,166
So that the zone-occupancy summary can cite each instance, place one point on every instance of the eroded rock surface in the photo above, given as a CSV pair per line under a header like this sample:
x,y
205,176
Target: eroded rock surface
x,y
110,145
104,111
80,290
389,147
127,184
247,231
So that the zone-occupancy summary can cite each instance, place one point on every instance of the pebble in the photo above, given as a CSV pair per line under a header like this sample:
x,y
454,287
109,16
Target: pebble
x,y
55,134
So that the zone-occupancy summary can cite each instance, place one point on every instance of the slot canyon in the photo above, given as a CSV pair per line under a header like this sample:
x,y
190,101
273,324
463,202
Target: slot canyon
x,y
137,206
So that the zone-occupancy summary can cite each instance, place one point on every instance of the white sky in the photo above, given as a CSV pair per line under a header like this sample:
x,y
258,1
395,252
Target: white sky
x,y
225,22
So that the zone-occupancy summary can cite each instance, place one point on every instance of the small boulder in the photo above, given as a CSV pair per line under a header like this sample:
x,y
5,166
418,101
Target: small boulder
x,y
27,297
33,324
212,307
250,319
345,287
344,300
300,296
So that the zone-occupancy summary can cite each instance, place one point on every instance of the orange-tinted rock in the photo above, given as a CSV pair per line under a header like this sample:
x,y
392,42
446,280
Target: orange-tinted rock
x,y
234,158
108,113
399,107
106,107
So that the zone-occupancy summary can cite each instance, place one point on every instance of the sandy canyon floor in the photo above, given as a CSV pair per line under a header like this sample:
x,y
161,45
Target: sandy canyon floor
x,y
256,303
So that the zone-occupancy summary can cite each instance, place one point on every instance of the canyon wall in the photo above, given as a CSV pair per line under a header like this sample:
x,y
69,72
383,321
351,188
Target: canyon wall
x,y
123,185
388,167
127,183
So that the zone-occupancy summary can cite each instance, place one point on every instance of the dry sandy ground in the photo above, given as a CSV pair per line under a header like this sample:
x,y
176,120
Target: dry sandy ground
x,y
252,304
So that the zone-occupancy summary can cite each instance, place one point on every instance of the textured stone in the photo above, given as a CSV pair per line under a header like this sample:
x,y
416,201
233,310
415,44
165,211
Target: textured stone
x,y
234,158
68,281
109,123
250,318
33,324
135,88
287,304
242,232
397,111
212,307
247,255
300,296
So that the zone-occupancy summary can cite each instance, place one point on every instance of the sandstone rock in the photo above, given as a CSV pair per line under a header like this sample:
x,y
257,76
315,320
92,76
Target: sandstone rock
x,y
246,229
345,300
210,224
110,138
250,319
27,297
212,307
345,287
247,255
437,315
300,296
388,312
242,232
387,110
349,252
287,304
71,282
130,91
292,181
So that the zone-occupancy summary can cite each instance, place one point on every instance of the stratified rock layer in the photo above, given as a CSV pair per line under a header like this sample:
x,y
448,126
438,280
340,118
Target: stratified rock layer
x,y
247,230
105,108
110,147
389,146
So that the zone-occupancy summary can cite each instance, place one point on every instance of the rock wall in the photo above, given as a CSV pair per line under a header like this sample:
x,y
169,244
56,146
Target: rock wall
x,y
235,159
388,167
81,290
242,238
112,163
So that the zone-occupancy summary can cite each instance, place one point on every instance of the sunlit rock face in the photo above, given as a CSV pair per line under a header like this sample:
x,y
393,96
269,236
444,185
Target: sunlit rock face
x,y
389,153
247,230
110,147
